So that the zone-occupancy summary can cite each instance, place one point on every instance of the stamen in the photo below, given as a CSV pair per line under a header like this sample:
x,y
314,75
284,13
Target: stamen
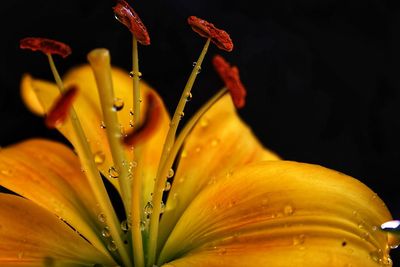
x,y
127,16
230,75
206,29
150,124
99,60
96,183
47,46
61,108
159,184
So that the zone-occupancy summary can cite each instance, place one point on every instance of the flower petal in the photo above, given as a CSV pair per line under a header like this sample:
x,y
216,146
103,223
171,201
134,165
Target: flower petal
x,y
31,236
49,174
219,143
88,109
281,213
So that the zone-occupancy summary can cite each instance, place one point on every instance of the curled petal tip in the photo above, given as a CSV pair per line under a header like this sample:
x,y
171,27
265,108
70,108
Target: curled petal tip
x,y
47,46
206,29
125,14
60,110
231,78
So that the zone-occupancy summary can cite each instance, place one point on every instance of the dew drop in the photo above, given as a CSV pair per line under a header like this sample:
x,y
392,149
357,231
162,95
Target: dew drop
x,y
288,210
112,172
102,125
194,64
6,172
111,246
167,186
299,240
199,70
99,157
162,207
101,217
189,97
118,104
105,232
170,173
132,74
182,114
184,154
148,209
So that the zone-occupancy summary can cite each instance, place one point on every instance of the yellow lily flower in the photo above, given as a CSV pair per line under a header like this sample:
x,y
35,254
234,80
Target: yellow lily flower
x,y
228,201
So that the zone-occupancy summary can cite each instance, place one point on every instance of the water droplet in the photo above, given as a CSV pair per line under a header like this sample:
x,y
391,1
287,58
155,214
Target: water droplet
x,y
142,225
299,240
167,186
105,232
111,246
376,255
194,64
162,207
204,122
6,172
288,210
184,154
102,125
112,172
99,157
132,74
170,173
101,217
134,164
118,104
126,225
189,97
182,114
198,70
148,209
215,142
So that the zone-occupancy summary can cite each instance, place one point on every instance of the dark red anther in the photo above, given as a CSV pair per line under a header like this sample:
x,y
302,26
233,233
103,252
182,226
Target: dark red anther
x,y
206,29
47,46
125,14
61,107
151,123
230,76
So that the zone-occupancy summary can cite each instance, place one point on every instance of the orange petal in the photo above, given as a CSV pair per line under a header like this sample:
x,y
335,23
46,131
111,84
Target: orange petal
x,y
49,174
32,236
219,143
283,214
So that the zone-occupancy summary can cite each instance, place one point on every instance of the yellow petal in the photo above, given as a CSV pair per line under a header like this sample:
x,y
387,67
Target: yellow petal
x,y
49,174
87,107
281,213
31,236
218,144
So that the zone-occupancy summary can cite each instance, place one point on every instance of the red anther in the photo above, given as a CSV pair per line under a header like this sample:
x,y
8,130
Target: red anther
x,y
206,29
231,78
61,107
47,46
125,14
151,123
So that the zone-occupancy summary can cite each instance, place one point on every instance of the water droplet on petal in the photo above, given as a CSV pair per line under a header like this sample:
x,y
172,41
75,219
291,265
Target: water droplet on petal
x,y
182,114
184,153
299,240
99,157
162,207
126,225
194,64
112,172
288,210
170,173
102,125
105,232
142,225
118,104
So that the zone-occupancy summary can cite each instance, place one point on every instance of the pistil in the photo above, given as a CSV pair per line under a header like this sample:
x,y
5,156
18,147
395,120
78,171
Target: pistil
x,y
85,155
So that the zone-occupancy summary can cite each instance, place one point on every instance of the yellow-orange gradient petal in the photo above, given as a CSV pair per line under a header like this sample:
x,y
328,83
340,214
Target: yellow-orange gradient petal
x,y
281,214
49,174
219,143
87,107
32,236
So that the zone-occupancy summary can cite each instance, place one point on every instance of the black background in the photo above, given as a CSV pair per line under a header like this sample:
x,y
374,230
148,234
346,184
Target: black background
x,y
322,76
